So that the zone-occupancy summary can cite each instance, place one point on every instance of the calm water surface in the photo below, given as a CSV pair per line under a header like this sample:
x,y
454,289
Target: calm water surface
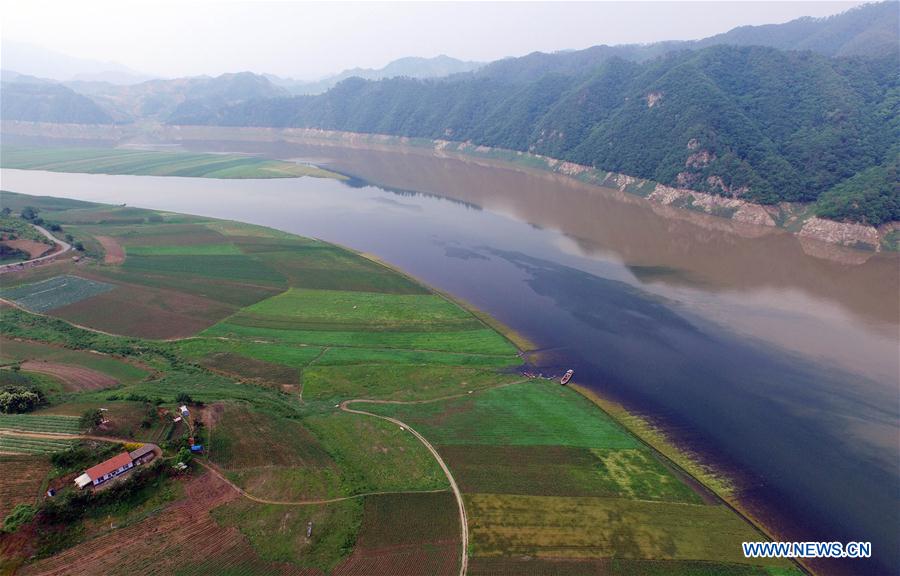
x,y
775,359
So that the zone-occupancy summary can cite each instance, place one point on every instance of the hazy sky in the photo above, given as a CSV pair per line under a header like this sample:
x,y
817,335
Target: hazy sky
x,y
307,40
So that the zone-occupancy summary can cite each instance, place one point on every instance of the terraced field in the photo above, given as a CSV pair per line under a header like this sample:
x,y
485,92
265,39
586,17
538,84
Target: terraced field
x,y
153,163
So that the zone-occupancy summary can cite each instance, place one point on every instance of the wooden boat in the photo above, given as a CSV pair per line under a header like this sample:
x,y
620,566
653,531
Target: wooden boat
x,y
566,377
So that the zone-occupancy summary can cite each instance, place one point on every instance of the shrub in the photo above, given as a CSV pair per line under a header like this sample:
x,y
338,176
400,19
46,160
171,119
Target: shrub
x,y
21,514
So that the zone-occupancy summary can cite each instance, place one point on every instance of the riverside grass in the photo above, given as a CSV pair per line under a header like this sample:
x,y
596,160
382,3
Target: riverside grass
x,y
306,326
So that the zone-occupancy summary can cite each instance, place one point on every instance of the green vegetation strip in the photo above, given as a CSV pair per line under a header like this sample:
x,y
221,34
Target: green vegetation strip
x,y
154,163
25,445
36,423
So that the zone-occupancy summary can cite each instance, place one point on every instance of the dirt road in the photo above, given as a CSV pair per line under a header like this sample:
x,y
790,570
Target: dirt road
x,y
64,247
463,519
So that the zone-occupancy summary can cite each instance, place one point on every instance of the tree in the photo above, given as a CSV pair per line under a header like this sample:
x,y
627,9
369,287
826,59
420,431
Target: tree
x,y
5,211
184,398
79,246
29,213
69,238
54,227
91,419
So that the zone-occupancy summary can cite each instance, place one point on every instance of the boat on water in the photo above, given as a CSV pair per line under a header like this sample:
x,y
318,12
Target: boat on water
x,y
566,377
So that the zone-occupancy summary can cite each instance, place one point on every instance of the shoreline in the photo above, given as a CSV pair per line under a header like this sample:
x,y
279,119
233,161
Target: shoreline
x,y
797,219
683,461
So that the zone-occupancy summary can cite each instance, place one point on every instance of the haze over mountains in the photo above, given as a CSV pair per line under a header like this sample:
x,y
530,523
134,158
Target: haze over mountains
x,y
802,111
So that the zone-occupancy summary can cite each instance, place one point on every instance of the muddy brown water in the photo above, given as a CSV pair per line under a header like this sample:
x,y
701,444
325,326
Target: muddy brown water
x,y
776,359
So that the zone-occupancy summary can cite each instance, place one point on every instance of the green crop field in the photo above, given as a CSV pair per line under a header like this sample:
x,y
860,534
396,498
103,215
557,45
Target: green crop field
x,y
563,471
25,445
35,423
397,381
153,163
531,413
55,292
300,309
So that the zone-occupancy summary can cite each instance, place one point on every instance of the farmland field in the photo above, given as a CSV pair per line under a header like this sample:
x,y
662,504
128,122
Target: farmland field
x,y
242,443
406,534
24,486
530,413
36,423
55,292
27,445
560,527
152,163
110,366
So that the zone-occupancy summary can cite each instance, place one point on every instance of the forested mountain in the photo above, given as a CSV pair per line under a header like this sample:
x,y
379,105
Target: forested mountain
x,y
34,101
869,30
159,98
754,122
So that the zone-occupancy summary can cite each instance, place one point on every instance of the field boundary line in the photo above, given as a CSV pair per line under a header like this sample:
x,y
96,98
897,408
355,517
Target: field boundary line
x,y
212,468
463,518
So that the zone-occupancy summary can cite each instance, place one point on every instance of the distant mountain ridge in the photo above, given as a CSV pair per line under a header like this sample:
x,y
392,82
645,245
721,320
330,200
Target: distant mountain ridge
x,y
43,63
411,67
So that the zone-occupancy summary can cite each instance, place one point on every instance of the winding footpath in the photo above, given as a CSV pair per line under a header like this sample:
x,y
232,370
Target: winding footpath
x,y
463,519
63,248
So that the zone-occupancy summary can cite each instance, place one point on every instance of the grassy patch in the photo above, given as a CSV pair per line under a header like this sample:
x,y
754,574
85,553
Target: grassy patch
x,y
396,382
271,457
375,455
532,413
300,309
278,533
188,250
483,341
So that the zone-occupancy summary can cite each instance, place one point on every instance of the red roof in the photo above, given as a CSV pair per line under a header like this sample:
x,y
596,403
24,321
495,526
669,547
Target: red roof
x,y
107,466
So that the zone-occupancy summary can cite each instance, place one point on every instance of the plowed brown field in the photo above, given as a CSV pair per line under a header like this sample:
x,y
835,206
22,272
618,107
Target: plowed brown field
x,y
182,538
74,378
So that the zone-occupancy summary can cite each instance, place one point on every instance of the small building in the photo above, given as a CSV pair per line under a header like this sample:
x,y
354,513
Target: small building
x,y
196,448
144,454
105,470
184,411
116,465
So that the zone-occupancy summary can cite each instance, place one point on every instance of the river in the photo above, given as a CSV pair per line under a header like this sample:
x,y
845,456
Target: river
x,y
775,360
